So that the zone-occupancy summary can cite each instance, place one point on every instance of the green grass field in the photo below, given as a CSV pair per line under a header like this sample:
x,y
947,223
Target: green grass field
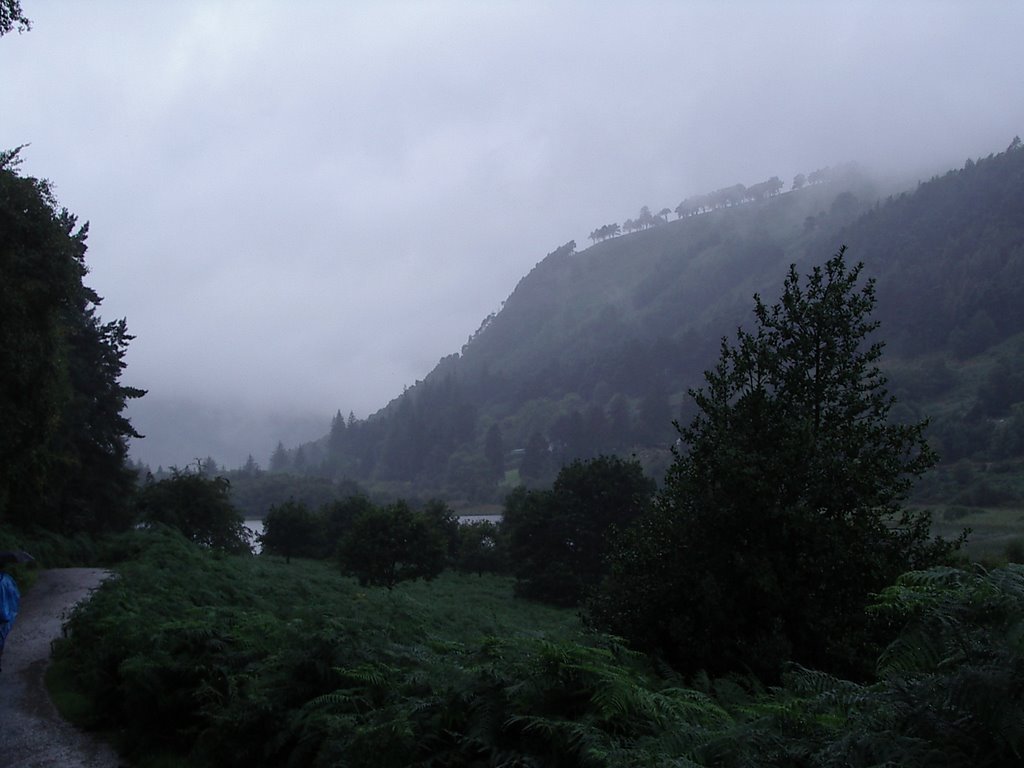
x,y
993,529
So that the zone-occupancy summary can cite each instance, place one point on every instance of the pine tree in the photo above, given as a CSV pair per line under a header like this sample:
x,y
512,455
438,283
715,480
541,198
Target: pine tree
x,y
783,514
279,459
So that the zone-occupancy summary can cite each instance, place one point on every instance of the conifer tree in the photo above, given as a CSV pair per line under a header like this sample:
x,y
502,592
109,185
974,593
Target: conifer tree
x,y
782,515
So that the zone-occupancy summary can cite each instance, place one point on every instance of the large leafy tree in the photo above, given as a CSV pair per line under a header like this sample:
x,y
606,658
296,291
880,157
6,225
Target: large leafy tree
x,y
782,515
558,538
198,506
63,444
387,545
291,529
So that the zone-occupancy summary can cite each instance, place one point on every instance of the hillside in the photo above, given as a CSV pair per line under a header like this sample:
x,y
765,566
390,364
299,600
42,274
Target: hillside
x,y
594,349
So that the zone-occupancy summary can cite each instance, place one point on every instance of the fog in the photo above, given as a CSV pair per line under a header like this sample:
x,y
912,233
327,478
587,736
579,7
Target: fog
x,y
300,207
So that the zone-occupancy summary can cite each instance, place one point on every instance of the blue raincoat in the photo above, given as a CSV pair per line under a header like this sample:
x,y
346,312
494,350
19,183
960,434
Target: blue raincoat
x,y
10,599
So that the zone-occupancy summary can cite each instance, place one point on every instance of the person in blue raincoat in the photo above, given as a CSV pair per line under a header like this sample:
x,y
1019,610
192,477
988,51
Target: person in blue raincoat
x,y
10,600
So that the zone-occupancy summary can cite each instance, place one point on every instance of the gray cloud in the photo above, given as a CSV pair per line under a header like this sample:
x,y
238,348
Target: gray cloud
x,y
303,206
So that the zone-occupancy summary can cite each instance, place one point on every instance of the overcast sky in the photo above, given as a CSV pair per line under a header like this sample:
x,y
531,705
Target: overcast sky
x,y
301,206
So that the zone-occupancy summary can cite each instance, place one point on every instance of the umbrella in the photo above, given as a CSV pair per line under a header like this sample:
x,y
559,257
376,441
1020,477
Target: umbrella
x,y
20,556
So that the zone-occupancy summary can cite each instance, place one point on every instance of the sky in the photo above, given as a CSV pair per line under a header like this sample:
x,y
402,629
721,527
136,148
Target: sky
x,y
301,207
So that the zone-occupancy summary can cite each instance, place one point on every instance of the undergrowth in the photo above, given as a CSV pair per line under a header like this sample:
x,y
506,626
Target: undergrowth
x,y
216,660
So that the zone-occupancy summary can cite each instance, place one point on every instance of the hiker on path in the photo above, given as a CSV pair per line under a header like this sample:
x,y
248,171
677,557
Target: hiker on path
x,y
10,600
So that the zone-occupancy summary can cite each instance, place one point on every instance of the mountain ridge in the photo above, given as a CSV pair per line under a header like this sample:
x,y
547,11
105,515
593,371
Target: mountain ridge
x,y
594,349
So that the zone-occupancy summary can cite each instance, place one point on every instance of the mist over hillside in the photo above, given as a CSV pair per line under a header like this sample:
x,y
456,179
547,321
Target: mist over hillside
x,y
178,431
594,350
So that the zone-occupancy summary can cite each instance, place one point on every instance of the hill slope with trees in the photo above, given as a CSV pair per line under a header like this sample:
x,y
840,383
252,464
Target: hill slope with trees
x,y
594,350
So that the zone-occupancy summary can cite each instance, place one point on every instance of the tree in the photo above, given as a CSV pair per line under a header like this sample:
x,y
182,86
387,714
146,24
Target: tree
x,y
558,539
279,458
250,468
783,514
64,439
336,441
387,545
200,507
443,519
11,16
479,551
339,517
799,181
291,529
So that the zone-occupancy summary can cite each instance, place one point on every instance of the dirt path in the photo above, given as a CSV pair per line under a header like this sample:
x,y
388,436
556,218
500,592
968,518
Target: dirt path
x,y
32,734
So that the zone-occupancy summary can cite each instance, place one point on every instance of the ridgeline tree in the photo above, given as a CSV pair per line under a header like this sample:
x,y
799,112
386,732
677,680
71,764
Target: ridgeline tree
x,y
64,439
279,461
783,513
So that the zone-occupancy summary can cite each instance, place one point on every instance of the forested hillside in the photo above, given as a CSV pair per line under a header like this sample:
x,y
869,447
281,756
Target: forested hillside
x,y
594,351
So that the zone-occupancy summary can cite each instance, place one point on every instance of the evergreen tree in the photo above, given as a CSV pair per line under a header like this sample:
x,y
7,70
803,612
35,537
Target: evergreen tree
x,y
279,459
783,515
336,440
64,438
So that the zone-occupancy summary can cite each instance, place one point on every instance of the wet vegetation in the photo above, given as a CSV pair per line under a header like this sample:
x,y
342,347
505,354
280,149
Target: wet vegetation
x,y
777,598
195,658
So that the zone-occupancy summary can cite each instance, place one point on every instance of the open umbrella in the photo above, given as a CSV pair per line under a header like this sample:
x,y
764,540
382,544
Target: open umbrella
x,y
19,556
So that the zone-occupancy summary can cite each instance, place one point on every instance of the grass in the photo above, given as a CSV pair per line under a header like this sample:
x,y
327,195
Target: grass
x,y
993,529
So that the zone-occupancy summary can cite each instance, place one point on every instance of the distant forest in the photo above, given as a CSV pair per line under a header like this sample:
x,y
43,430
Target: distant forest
x,y
595,351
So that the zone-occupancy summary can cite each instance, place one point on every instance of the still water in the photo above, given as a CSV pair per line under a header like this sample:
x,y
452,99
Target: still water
x,y
255,526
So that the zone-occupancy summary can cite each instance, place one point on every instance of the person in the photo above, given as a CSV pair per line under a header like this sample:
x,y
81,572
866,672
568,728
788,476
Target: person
x,y
10,600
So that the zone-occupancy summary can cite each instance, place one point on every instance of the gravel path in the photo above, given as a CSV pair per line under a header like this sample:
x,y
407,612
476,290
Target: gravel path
x,y
32,734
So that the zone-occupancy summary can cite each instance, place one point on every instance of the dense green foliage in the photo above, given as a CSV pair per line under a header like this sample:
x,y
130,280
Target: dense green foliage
x,y
63,444
558,539
197,506
292,529
386,545
782,514
225,661
480,549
